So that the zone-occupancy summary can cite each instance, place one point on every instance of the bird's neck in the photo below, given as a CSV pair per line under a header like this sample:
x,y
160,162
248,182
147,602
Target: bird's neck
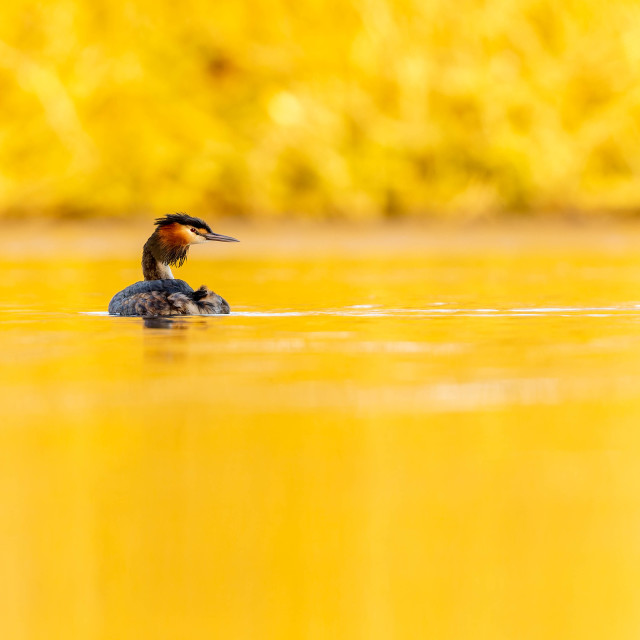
x,y
152,268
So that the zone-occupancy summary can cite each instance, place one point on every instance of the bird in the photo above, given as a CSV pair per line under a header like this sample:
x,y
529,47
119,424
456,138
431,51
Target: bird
x,y
160,294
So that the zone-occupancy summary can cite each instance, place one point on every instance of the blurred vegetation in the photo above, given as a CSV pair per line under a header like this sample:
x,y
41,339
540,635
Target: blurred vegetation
x,y
319,108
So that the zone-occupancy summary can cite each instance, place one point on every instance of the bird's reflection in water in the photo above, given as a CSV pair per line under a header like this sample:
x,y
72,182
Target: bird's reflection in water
x,y
159,323
172,322
169,348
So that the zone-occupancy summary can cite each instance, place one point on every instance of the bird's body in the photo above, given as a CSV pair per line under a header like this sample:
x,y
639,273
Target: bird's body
x,y
160,294
166,298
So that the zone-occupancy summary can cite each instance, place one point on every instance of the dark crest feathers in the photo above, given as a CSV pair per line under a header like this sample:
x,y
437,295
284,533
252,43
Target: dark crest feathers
x,y
182,218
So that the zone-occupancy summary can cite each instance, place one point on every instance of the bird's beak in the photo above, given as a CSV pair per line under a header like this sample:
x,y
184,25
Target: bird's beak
x,y
219,237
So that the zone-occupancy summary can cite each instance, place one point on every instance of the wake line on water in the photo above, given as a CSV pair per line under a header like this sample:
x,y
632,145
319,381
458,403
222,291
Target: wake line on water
x,y
372,311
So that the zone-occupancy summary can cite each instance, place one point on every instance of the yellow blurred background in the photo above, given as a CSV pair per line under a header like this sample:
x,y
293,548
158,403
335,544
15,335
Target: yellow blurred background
x,y
402,431
364,109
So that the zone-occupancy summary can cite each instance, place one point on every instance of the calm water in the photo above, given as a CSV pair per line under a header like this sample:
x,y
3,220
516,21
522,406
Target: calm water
x,y
397,434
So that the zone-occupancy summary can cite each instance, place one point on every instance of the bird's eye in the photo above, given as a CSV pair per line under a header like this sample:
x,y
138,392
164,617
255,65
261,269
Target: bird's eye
x,y
193,230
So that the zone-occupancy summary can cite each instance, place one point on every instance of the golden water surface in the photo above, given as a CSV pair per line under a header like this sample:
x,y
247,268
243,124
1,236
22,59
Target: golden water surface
x,y
398,434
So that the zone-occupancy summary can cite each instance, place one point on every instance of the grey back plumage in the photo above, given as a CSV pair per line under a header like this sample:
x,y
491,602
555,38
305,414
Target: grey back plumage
x,y
167,287
166,298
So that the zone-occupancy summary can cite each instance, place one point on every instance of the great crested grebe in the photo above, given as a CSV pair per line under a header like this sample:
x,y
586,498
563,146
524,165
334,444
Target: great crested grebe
x,y
160,294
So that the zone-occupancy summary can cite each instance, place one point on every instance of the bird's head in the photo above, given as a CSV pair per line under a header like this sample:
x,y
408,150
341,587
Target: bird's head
x,y
176,232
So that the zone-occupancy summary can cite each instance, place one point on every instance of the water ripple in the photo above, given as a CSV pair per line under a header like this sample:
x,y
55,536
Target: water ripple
x,y
373,311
